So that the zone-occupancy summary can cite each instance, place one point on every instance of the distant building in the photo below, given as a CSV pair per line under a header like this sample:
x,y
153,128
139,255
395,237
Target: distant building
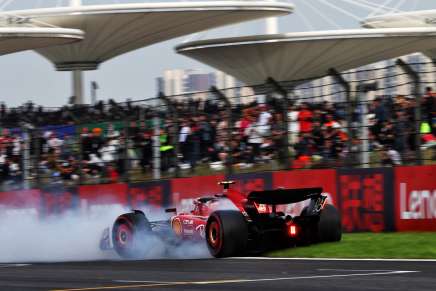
x,y
195,82
390,79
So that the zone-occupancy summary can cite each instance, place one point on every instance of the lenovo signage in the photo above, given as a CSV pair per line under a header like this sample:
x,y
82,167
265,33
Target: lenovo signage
x,y
415,194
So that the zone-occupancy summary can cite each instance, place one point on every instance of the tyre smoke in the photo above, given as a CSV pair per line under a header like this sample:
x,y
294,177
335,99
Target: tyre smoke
x,y
75,236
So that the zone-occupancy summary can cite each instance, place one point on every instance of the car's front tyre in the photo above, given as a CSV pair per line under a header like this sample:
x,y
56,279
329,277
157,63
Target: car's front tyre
x,y
129,233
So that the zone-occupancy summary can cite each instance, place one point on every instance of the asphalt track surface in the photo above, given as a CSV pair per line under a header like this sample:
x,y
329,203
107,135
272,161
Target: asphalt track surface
x,y
224,274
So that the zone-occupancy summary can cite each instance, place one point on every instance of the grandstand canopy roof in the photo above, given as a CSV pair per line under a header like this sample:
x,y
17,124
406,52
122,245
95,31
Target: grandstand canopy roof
x,y
15,39
306,55
421,18
112,30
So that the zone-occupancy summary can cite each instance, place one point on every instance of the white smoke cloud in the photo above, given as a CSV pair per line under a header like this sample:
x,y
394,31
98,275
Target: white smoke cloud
x,y
75,236
71,237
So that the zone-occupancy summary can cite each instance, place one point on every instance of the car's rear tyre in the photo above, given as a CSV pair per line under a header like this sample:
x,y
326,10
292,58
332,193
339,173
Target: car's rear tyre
x,y
226,233
310,232
128,235
330,227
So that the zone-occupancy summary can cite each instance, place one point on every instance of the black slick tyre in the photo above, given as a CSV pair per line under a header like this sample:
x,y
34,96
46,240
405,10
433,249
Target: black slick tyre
x,y
226,233
128,234
330,227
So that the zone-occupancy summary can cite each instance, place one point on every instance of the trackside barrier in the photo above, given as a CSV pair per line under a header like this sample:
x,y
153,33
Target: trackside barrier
x,y
415,198
154,193
365,199
380,199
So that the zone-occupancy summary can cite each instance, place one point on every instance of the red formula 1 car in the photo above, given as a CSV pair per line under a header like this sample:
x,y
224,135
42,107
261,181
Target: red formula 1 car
x,y
232,223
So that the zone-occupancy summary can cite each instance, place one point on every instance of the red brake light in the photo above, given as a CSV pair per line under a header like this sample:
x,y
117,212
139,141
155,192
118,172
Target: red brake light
x,y
292,230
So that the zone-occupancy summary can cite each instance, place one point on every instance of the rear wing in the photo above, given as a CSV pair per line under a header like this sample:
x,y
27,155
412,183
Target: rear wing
x,y
284,196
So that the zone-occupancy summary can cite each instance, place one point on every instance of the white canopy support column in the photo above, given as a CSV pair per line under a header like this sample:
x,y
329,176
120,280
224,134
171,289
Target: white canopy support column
x,y
78,86
272,24
75,3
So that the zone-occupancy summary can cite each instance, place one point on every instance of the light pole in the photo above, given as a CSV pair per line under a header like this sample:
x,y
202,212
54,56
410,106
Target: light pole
x,y
363,90
94,88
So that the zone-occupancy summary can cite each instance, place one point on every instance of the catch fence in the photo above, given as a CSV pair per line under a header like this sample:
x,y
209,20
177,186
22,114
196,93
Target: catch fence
x,y
361,119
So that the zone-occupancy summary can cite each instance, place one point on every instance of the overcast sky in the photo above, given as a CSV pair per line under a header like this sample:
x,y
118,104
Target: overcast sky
x,y
27,76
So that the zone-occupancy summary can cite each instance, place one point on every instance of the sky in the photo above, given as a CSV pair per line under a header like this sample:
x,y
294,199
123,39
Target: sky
x,y
27,76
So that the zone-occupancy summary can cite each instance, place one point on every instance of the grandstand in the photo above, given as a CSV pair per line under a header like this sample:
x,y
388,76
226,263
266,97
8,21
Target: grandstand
x,y
112,142
179,136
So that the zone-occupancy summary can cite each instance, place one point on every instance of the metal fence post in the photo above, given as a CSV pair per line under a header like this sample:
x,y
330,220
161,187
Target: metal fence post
x,y
416,92
285,103
126,159
156,147
349,115
37,155
223,98
80,155
174,130
26,157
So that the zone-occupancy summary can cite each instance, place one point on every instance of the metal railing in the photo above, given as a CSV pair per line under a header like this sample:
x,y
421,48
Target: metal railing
x,y
269,127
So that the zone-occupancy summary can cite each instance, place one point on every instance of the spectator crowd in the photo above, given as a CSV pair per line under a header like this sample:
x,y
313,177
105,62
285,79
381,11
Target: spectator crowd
x,y
106,142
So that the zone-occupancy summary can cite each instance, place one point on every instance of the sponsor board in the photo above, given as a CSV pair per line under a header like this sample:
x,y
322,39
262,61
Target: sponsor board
x,y
58,199
415,198
27,202
306,179
93,197
185,190
365,199
153,193
249,182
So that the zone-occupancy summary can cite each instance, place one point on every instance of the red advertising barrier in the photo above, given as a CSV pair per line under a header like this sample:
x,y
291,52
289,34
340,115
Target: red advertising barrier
x,y
149,193
249,182
58,200
307,179
365,197
384,199
29,200
101,195
184,190
415,198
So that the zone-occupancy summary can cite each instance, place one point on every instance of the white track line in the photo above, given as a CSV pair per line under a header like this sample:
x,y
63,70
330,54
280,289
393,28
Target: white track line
x,y
233,281
13,265
332,259
350,270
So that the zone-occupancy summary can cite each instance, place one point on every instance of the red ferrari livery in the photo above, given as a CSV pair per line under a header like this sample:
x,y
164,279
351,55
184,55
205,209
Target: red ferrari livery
x,y
232,223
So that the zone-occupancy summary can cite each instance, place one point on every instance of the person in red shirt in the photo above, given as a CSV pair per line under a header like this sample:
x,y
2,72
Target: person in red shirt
x,y
305,118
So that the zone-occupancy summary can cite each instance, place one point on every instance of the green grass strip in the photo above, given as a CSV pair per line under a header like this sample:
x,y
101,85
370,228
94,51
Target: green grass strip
x,y
419,245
